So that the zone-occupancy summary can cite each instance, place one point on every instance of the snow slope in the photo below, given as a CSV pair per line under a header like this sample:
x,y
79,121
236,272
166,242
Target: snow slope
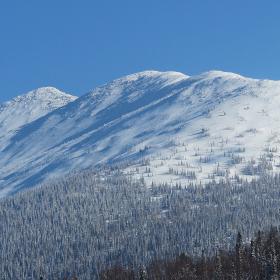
x,y
26,108
166,126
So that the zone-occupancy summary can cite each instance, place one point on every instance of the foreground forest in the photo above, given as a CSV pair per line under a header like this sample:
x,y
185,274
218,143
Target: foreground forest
x,y
258,259
91,221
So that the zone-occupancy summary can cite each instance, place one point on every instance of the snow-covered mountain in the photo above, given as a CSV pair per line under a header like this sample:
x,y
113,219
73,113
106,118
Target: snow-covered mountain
x,y
26,108
166,126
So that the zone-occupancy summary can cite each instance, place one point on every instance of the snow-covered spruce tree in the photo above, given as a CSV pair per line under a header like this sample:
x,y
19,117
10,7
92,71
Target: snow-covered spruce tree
x,y
89,221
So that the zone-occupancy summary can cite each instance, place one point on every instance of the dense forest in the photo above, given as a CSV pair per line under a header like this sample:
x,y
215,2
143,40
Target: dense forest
x,y
90,221
258,259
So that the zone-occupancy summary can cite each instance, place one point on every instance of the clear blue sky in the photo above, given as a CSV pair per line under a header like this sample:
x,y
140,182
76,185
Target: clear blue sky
x,y
76,45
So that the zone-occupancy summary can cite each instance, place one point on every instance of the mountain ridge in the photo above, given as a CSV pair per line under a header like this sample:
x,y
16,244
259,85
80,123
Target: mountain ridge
x,y
189,129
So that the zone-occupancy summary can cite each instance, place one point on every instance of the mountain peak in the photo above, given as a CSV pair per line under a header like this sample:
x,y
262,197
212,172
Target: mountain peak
x,y
153,74
31,106
134,86
43,93
212,74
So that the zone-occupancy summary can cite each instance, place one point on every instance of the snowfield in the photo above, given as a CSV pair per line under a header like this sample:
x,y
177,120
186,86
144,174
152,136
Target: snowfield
x,y
164,127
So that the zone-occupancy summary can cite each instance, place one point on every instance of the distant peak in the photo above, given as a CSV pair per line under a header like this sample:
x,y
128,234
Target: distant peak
x,y
44,93
150,76
220,74
154,74
47,91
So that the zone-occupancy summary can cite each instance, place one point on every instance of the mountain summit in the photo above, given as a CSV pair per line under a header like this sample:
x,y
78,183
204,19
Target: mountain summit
x,y
29,107
166,126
